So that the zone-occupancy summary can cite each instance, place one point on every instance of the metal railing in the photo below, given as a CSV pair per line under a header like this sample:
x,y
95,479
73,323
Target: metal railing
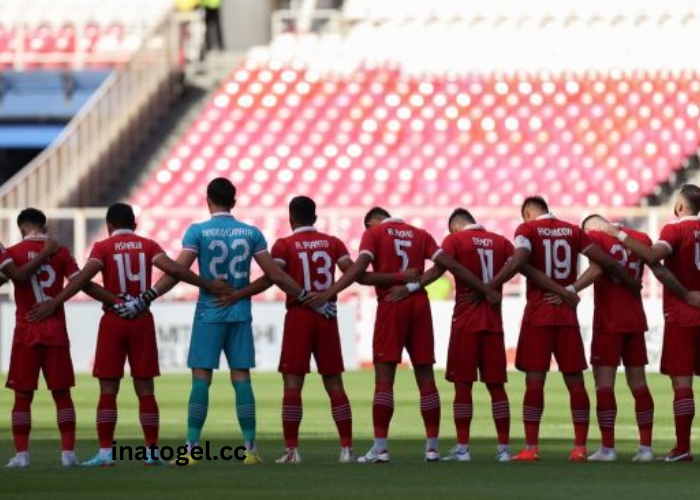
x,y
98,141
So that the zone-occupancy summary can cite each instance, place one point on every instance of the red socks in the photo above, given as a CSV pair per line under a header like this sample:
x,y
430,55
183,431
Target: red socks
x,y
500,409
106,419
463,411
644,408
22,420
430,409
382,408
149,418
606,410
65,415
533,407
683,412
292,412
342,415
580,411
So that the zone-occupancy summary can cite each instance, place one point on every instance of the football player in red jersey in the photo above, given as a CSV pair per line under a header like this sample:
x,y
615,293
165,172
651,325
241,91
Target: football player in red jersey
x,y
476,349
619,324
310,257
126,261
553,246
9,269
38,347
679,247
393,246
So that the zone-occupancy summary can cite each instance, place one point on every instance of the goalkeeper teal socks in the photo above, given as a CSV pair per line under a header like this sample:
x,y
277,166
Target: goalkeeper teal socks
x,y
197,409
245,409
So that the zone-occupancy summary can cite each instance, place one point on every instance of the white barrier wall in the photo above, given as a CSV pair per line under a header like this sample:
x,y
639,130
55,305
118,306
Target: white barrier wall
x,y
174,321
512,314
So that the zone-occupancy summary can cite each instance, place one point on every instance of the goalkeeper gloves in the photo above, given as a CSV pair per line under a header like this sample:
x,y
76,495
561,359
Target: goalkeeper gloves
x,y
126,309
149,296
329,310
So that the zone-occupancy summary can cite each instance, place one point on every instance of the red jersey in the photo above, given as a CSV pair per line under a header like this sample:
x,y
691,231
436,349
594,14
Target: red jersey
x,y
554,249
484,254
683,240
127,262
617,309
395,246
310,258
45,284
5,258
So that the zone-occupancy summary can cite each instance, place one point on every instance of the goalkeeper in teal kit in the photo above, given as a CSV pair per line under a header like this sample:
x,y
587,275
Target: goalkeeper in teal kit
x,y
224,248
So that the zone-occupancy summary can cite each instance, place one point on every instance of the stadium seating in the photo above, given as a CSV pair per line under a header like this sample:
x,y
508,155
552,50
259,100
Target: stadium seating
x,y
48,33
592,139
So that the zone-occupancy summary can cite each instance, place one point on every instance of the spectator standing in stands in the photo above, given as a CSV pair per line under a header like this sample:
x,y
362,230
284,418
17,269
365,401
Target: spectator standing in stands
x,y
212,21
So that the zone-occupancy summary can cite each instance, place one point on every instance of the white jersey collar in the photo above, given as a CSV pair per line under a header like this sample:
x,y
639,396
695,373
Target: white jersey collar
x,y
688,217
221,214
120,232
474,227
36,237
305,229
392,219
549,215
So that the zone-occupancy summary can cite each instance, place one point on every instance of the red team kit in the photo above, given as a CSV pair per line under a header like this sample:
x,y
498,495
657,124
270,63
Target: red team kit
x,y
545,249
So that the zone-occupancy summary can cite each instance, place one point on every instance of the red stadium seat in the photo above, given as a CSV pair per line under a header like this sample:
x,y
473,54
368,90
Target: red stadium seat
x,y
582,139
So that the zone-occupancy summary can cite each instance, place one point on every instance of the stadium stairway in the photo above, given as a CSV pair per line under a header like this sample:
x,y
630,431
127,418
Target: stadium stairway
x,y
201,80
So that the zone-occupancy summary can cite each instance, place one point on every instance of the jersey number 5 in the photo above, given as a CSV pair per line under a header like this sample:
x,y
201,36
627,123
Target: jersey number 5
x,y
399,246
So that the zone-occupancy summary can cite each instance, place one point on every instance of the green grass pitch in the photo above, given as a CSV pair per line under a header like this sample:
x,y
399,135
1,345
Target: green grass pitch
x,y
319,476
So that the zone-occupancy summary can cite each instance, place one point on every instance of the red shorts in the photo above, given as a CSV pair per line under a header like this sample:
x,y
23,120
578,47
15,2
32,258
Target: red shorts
x,y
120,339
470,352
27,361
405,324
537,344
305,333
612,348
680,355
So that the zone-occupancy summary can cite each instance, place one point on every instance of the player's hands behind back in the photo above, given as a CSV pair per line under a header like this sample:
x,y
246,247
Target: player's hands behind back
x,y
52,245
693,299
131,307
411,275
219,288
398,293
329,310
227,300
42,311
319,302
314,300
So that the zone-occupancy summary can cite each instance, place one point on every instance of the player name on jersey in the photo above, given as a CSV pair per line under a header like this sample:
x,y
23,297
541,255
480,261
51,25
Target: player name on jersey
x,y
312,245
218,232
554,232
121,246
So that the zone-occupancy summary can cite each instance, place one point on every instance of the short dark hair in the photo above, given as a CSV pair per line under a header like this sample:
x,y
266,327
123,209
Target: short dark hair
x,y
460,213
375,212
222,192
303,210
589,218
537,201
32,216
691,195
121,216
